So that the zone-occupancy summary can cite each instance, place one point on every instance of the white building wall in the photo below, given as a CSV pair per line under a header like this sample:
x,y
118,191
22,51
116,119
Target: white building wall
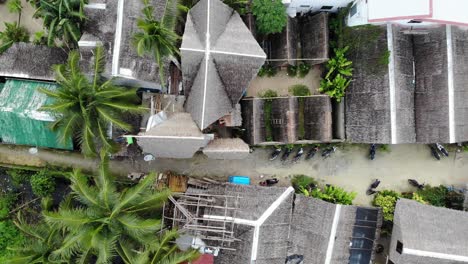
x,y
304,6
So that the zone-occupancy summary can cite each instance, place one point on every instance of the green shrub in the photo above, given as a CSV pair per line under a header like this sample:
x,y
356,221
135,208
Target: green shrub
x,y
10,236
43,183
339,75
303,181
291,70
433,195
6,203
384,59
387,201
299,90
270,16
303,69
18,176
331,194
384,148
268,94
267,70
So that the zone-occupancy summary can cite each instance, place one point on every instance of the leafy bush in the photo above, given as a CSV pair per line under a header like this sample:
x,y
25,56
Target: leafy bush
x,y
433,195
6,203
303,181
291,70
270,16
303,69
299,90
268,94
18,176
387,201
43,183
9,237
339,75
331,194
267,70
384,148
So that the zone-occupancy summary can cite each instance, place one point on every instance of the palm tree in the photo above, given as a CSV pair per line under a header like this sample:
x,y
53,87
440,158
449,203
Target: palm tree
x,y
63,20
13,33
41,241
157,38
160,251
85,108
106,216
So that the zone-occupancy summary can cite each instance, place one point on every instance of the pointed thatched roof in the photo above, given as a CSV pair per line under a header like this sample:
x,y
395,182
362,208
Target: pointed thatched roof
x,y
219,59
26,60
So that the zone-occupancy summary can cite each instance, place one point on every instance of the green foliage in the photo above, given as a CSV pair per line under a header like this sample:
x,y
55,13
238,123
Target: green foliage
x,y
384,148
40,38
337,26
18,176
291,70
339,75
157,38
387,201
384,59
267,70
10,236
267,112
42,183
331,194
239,5
107,217
362,37
270,16
14,6
268,94
301,181
303,69
6,203
299,90
63,20
85,107
13,33
433,195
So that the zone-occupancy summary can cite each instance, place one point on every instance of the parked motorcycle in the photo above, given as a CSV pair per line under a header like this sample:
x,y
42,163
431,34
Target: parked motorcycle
x,y
327,152
269,182
312,152
416,184
371,190
434,152
298,155
372,152
442,149
275,153
286,154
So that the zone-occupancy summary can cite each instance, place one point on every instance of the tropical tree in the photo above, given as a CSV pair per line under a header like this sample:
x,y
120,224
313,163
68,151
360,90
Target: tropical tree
x,y
84,108
270,16
41,241
339,75
13,33
106,217
63,20
387,201
160,251
157,38
15,6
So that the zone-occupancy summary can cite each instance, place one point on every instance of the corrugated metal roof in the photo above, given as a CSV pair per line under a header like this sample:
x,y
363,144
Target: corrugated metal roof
x,y
21,122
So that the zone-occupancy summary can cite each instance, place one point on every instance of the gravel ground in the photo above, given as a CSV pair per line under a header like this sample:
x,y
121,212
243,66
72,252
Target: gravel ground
x,y
349,167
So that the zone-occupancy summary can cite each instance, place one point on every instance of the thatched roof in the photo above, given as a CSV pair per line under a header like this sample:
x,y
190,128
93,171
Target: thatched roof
x,y
177,137
122,61
26,60
227,149
431,230
283,45
219,59
285,121
422,104
312,225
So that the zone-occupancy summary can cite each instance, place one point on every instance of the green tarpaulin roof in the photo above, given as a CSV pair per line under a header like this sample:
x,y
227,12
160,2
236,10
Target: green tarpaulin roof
x,y
21,122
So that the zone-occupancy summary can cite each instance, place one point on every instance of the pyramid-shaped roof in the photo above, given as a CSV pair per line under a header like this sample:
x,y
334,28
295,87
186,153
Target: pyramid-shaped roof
x,y
219,59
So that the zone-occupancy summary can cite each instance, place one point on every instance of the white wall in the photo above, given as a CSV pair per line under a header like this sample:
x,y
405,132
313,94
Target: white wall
x,y
304,6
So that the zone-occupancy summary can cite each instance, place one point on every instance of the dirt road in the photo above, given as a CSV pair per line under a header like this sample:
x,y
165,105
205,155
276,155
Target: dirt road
x,y
349,167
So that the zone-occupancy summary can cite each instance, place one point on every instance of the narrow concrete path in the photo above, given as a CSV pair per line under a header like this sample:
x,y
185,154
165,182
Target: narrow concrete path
x,y
349,167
